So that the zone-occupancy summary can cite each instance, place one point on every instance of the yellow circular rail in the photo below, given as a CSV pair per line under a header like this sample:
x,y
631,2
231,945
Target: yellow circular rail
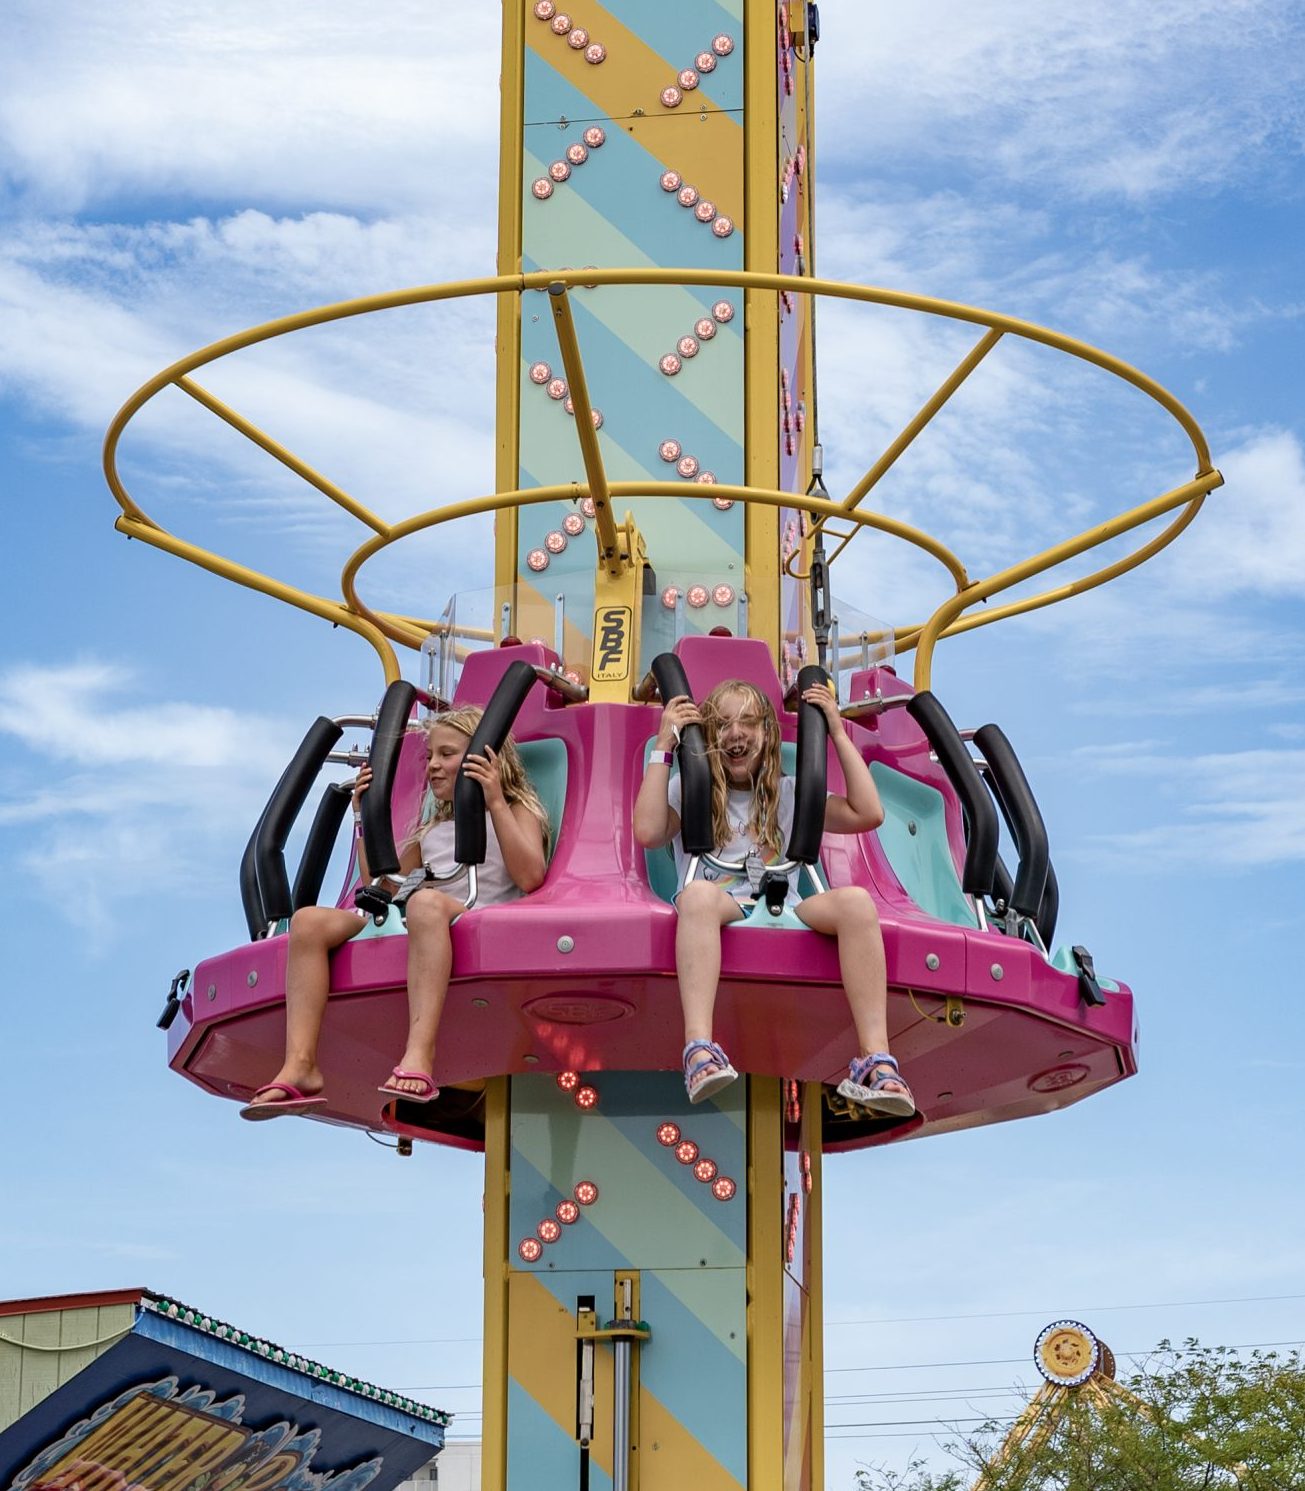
x,y
382,628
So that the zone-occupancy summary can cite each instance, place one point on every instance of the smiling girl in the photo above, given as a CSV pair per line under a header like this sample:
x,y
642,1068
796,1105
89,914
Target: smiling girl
x,y
752,815
515,862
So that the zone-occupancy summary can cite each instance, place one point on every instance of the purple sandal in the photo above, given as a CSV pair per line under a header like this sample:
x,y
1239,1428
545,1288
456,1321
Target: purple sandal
x,y
704,1079
867,1086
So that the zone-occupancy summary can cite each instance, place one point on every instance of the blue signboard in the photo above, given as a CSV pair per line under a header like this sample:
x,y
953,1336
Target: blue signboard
x,y
172,1407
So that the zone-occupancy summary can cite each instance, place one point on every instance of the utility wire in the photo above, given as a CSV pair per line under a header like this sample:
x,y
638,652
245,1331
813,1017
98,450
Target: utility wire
x,y
892,1434
996,1361
846,1400
1006,1361
1171,1304
977,1418
1164,1304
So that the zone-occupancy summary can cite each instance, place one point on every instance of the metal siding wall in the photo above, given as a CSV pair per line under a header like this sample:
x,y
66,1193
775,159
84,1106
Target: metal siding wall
x,y
72,1340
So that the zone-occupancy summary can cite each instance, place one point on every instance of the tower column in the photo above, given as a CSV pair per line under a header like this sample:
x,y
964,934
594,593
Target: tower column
x,y
621,1222
636,137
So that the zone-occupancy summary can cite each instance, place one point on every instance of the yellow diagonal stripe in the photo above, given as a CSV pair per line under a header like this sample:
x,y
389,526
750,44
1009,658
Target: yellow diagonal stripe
x,y
706,150
670,1458
541,1334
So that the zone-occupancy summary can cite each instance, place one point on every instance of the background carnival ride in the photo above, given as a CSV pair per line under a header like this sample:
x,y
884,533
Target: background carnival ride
x,y
683,399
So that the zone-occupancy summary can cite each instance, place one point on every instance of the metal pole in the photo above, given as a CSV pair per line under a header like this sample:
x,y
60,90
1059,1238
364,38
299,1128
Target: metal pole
x,y
621,1382
609,549
834,664
621,1416
444,686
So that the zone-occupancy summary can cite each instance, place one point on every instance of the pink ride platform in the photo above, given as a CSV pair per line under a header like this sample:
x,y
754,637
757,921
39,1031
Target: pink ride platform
x,y
581,974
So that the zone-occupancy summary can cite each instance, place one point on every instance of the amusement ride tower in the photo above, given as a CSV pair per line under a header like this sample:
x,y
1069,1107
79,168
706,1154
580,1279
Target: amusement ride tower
x,y
652,1270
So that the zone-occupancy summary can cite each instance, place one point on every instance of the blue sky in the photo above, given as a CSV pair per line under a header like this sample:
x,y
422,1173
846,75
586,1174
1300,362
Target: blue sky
x,y
1130,174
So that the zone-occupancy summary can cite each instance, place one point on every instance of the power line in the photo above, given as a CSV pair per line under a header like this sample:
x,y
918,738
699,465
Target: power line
x,y
997,1361
940,1395
403,1341
443,1387
892,1434
1006,1361
847,1400
1171,1304
977,1418
1164,1304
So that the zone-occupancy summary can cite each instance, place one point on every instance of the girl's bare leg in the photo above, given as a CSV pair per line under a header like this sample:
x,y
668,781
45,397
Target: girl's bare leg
x,y
430,961
703,910
849,914
315,932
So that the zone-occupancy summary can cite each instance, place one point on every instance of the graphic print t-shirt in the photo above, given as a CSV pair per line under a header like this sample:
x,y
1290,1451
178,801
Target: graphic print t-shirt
x,y
741,842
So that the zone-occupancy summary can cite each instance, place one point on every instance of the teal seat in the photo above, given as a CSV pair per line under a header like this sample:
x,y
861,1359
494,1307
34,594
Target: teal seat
x,y
545,764
914,839
661,862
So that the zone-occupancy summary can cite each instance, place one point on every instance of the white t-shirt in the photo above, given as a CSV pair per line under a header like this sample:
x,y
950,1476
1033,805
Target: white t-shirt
x,y
741,843
493,883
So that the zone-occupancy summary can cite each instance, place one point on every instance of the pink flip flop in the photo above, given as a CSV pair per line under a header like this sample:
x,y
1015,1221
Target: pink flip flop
x,y
428,1094
294,1104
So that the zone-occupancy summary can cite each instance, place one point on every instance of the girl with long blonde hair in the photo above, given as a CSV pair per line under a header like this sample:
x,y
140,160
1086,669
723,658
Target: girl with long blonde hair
x,y
751,819
515,863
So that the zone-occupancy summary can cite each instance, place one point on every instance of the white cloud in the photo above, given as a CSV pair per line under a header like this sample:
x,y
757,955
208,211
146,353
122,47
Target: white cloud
x,y
248,104
1235,810
67,714
1236,696
1013,463
1019,259
1016,461
1118,100
1010,467
94,308
112,797
1251,537
395,408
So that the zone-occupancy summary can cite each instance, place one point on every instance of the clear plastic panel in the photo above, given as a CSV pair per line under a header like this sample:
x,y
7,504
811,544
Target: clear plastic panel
x,y
687,603
864,641
471,621
561,616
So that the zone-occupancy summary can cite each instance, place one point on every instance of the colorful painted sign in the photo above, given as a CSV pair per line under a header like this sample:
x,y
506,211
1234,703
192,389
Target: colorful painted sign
x,y
155,1436
172,1406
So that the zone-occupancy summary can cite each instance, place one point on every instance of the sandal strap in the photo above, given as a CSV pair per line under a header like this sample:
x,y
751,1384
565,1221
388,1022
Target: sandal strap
x,y
715,1056
863,1067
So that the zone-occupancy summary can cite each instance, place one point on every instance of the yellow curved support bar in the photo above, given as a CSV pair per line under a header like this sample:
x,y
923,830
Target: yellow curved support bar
x,y
575,491
381,628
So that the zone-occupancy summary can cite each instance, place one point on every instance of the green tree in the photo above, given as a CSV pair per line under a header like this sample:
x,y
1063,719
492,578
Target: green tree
x,y
1194,1419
